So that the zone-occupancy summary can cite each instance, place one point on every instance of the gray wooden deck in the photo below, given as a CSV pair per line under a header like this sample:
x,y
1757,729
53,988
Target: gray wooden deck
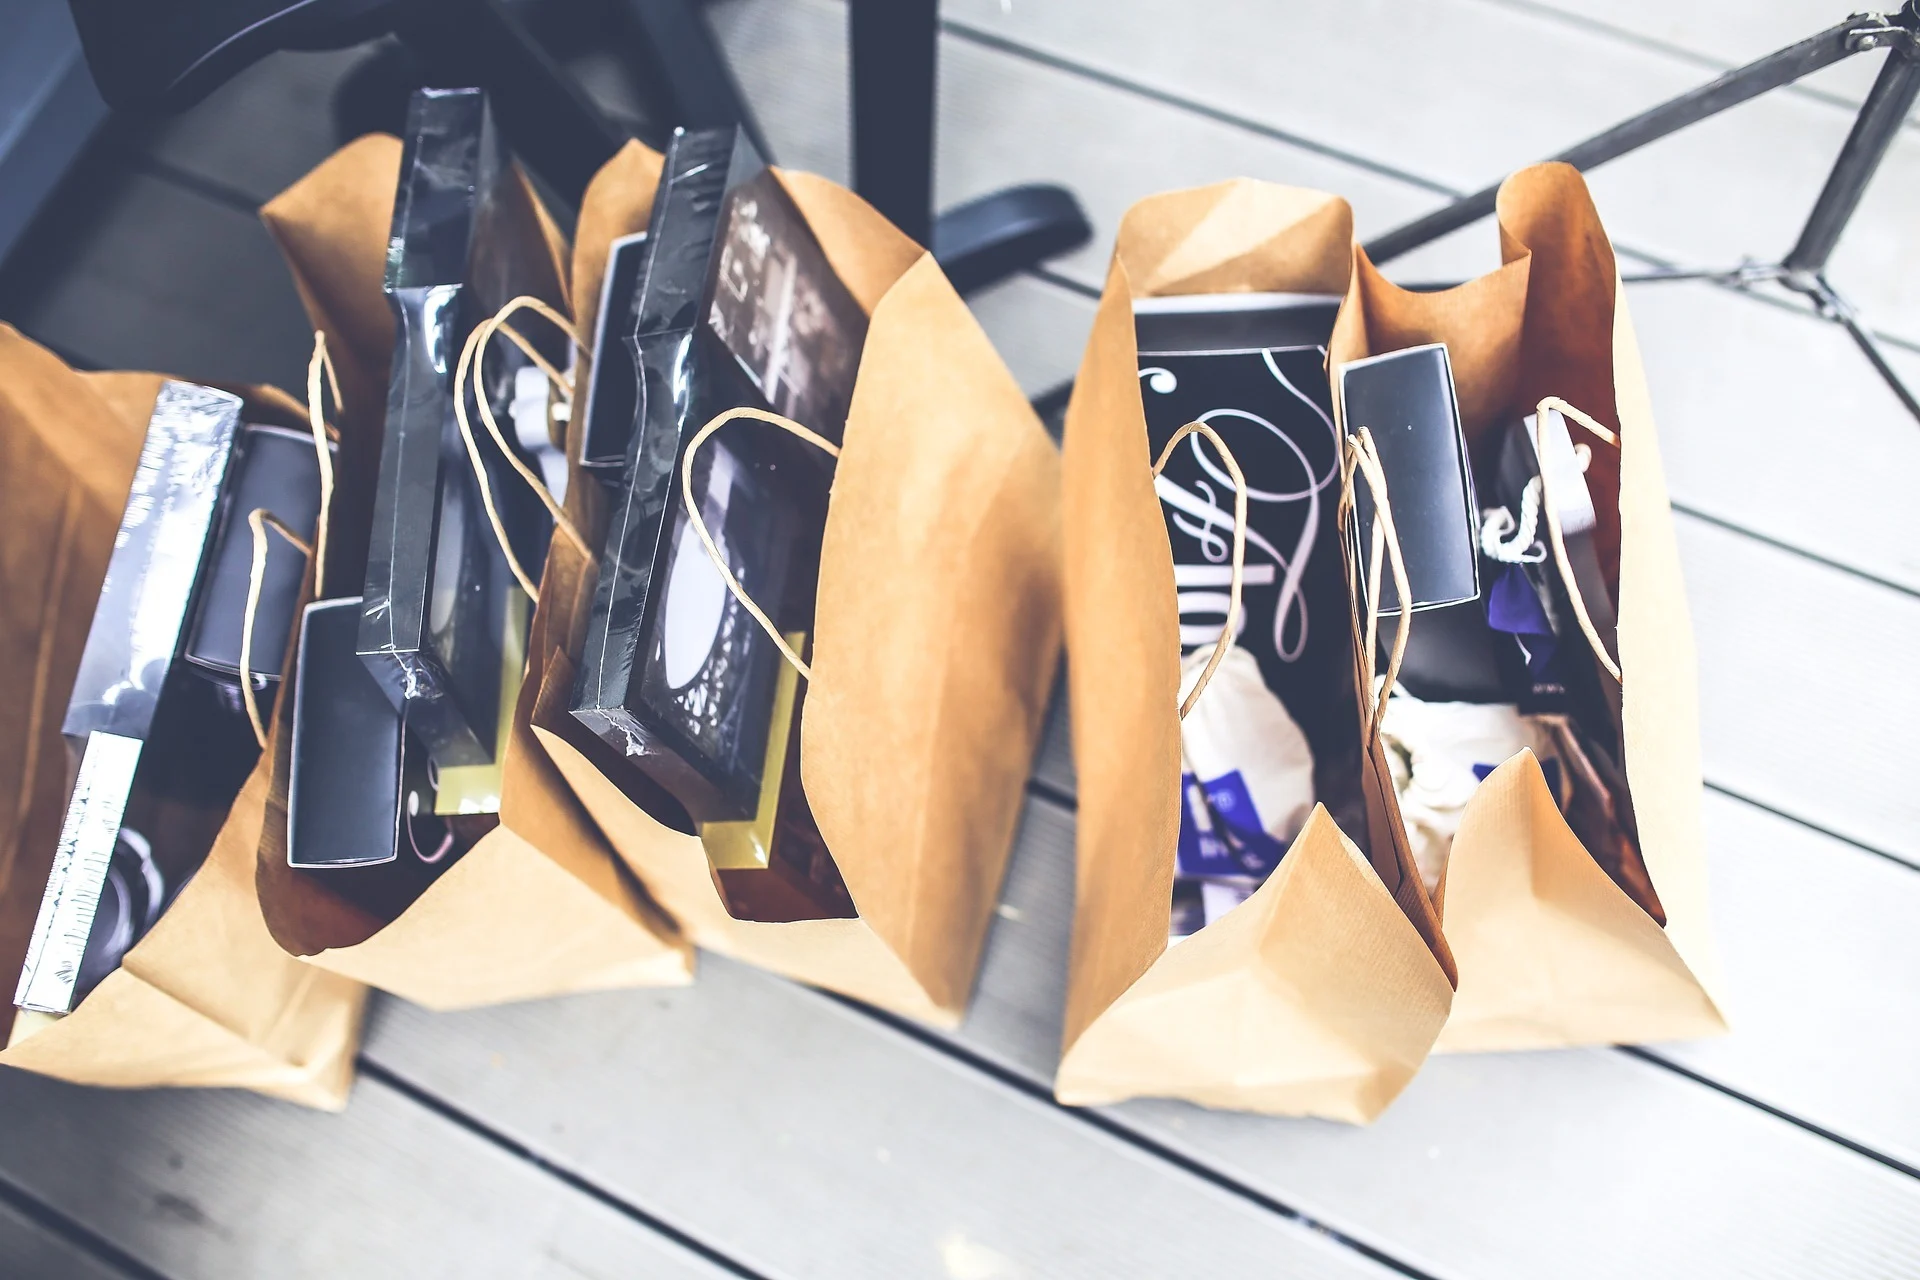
x,y
750,1127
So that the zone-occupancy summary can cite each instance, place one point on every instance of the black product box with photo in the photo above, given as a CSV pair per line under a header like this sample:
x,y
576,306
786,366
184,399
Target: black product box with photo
x,y
439,593
155,755
739,308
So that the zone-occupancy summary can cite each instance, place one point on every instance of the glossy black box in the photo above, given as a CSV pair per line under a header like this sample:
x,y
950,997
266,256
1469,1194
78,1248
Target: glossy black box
x,y
466,239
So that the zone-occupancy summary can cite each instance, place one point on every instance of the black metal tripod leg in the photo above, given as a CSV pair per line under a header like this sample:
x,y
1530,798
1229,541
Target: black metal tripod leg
x,y
896,51
1730,90
1874,130
1836,307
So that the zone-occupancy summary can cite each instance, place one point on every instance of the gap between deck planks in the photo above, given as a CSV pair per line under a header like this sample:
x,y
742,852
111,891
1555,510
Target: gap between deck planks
x,y
33,1251
197,1183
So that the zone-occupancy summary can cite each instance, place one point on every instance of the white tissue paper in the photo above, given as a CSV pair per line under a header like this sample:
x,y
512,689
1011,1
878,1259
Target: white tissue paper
x,y
1247,781
1438,753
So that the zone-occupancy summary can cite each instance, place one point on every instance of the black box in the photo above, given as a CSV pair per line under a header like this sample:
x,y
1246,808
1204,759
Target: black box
x,y
613,386
1406,400
359,791
128,692
465,239
675,674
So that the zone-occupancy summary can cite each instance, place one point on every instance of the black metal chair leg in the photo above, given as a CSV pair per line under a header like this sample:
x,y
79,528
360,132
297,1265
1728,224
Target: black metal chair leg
x,y
895,60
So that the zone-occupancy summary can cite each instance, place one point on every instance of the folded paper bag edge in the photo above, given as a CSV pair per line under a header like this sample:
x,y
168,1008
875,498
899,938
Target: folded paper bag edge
x,y
1597,969
1281,951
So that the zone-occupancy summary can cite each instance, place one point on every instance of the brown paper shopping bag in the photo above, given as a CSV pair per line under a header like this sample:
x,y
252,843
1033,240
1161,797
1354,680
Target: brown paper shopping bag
x,y
205,998
1551,950
539,905
936,636
1322,993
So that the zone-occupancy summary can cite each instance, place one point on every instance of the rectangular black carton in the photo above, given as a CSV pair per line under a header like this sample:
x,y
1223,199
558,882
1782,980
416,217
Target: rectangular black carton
x,y
360,790
465,240
1253,367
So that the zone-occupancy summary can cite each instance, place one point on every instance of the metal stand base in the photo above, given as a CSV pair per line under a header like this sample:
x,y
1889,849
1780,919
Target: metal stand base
x,y
1803,270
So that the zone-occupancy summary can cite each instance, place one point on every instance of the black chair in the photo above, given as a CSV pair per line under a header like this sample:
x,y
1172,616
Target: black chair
x,y
166,55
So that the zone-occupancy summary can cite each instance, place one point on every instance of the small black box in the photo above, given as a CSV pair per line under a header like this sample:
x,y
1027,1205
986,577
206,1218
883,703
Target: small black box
x,y
1406,400
613,386
359,791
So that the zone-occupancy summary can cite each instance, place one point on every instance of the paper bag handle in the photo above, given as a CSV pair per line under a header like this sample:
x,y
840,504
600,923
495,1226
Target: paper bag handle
x,y
259,520
467,374
1363,459
321,361
1559,543
1234,581
700,437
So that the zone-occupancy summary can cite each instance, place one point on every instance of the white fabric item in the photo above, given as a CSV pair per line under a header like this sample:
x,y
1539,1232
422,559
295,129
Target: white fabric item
x,y
1432,748
1238,723
528,412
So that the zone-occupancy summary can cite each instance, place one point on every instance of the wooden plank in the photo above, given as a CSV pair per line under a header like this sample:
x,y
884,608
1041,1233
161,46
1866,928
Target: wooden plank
x,y
1576,1163
1459,92
1797,710
31,1251
221,1184
1819,944
753,1112
139,273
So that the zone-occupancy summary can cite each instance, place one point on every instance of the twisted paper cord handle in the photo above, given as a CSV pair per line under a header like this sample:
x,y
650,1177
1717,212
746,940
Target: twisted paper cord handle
x,y
1225,641
1559,543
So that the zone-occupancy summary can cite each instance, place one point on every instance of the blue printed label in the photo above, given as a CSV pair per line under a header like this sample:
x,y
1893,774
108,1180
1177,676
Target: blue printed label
x,y
1221,833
